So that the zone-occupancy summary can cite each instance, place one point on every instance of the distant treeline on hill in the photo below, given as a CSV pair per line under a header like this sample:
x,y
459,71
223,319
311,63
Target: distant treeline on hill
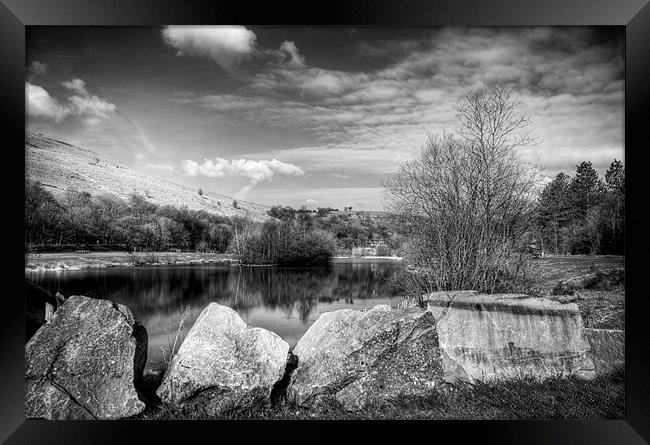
x,y
349,230
99,222
81,219
583,214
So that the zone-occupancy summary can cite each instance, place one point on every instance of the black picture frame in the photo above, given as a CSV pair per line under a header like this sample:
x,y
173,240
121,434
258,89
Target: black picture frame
x,y
634,15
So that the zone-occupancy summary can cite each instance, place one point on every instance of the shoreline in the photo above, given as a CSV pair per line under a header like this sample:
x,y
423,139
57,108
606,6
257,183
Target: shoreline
x,y
345,259
60,262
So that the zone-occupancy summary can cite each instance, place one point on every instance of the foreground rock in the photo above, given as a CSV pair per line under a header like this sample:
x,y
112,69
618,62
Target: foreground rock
x,y
486,337
224,363
82,363
359,357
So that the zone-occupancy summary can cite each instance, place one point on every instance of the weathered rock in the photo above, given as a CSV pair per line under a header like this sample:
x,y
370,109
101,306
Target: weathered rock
x,y
82,363
486,337
359,357
224,363
607,349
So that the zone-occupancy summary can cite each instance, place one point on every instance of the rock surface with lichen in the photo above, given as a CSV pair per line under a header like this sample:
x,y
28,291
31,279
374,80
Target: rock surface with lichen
x,y
500,336
224,363
359,357
82,364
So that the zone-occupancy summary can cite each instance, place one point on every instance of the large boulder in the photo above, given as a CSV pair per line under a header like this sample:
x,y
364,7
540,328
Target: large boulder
x,y
487,337
82,364
224,363
358,357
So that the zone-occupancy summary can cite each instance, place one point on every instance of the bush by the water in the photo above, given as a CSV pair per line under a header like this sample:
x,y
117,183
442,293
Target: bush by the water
x,y
288,242
466,202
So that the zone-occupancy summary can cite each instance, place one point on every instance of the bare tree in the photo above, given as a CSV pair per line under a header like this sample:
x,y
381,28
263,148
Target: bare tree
x,y
466,202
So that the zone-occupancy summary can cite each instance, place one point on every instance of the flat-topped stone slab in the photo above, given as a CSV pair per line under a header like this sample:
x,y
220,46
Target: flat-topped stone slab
x,y
486,337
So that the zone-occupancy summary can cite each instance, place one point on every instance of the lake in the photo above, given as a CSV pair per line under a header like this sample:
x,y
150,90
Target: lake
x,y
285,300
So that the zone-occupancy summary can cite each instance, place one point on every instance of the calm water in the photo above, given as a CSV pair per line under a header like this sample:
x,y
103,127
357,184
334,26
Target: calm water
x,y
282,299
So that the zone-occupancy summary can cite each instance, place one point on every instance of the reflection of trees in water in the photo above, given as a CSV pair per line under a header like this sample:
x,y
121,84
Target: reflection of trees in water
x,y
164,289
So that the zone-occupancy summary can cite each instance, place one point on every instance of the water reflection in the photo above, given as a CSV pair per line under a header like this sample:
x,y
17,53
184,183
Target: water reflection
x,y
285,300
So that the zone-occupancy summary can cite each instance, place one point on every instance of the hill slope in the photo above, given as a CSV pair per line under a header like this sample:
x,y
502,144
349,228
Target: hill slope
x,y
59,166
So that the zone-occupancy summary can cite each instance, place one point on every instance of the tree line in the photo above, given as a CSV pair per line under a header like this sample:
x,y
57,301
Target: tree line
x,y
348,231
583,214
82,219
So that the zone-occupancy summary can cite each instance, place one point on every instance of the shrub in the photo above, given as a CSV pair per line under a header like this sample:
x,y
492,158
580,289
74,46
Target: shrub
x,y
466,202
382,250
145,259
282,243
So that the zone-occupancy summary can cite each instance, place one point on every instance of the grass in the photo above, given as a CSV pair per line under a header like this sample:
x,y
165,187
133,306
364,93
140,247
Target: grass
x,y
172,347
523,398
607,348
595,283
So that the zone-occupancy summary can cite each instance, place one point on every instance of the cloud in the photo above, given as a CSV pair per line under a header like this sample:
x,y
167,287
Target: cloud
x,y
229,47
41,104
295,60
226,45
570,84
311,202
37,68
89,108
162,167
255,171
76,85
93,109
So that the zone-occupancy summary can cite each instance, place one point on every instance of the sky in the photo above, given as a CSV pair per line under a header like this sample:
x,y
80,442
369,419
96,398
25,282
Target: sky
x,y
315,116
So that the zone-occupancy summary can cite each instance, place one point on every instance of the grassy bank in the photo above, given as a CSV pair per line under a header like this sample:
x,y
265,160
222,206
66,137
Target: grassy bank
x,y
98,260
525,398
595,283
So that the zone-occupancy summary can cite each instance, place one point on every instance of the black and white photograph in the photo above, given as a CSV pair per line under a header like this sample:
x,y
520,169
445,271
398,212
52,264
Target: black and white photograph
x,y
243,222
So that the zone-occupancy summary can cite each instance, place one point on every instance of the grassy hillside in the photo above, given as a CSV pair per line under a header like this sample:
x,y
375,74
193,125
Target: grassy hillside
x,y
59,166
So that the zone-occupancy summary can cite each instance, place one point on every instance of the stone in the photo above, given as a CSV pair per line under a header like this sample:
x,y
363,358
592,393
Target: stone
x,y
224,363
83,363
499,336
359,357
607,349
